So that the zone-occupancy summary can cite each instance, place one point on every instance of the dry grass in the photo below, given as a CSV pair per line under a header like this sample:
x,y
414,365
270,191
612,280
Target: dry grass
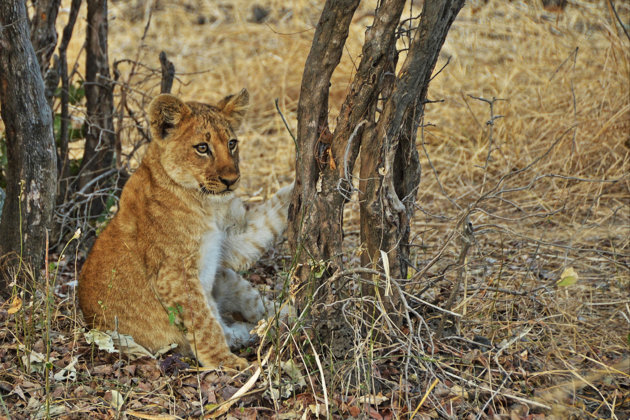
x,y
546,187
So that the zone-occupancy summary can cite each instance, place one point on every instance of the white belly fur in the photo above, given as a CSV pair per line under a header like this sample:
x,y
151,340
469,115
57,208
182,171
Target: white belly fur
x,y
210,258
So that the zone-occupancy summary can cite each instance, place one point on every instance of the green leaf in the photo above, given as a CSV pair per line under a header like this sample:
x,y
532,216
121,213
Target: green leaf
x,y
57,127
76,93
318,268
568,278
173,312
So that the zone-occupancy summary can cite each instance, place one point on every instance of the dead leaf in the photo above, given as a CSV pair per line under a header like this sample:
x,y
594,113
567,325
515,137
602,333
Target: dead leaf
x,y
16,305
149,416
35,360
69,372
165,350
291,368
129,347
244,413
18,391
289,415
374,414
102,370
458,390
317,409
113,342
116,399
102,340
149,371
171,365
372,399
51,411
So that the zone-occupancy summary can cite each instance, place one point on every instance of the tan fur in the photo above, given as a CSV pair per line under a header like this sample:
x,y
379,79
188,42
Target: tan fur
x,y
178,236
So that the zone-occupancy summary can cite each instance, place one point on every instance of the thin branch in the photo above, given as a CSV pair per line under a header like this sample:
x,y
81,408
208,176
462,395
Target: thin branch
x,y
612,7
467,236
286,125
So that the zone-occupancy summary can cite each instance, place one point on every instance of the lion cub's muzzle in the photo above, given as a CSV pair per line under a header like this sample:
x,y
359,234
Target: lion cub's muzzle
x,y
230,183
220,186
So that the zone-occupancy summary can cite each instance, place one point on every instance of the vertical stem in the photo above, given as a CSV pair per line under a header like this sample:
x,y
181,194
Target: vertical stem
x,y
47,369
98,156
65,115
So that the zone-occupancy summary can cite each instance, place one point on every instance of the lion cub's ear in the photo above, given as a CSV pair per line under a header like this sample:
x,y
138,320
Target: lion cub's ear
x,y
165,113
234,107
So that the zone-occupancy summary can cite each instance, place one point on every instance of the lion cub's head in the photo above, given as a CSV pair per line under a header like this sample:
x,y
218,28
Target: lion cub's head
x,y
197,142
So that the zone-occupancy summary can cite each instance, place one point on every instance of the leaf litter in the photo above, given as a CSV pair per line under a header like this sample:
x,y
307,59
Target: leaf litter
x,y
544,311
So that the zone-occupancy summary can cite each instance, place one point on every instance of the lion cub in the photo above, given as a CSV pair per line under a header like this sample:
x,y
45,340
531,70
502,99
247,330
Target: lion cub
x,y
163,270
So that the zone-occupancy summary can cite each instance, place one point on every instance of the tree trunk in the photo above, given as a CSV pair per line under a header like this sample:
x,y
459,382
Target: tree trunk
x,y
44,40
390,174
100,137
390,169
325,160
32,170
314,216
43,31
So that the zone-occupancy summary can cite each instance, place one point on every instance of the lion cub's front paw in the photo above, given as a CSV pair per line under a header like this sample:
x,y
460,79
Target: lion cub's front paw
x,y
238,335
235,362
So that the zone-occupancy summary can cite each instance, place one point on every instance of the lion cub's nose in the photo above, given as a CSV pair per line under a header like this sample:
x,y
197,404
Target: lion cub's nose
x,y
228,182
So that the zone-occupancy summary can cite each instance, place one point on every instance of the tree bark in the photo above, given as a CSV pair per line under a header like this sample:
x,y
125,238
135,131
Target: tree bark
x,y
315,223
43,31
390,175
32,170
44,40
326,160
98,156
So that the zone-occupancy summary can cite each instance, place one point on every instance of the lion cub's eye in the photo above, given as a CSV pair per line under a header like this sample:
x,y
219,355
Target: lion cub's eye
x,y
232,144
202,148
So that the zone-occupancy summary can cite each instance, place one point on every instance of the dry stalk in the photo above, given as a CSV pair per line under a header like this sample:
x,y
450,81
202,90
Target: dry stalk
x,y
467,238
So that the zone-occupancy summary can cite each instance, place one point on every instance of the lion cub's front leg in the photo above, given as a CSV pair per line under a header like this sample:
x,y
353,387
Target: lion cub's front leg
x,y
263,225
182,289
